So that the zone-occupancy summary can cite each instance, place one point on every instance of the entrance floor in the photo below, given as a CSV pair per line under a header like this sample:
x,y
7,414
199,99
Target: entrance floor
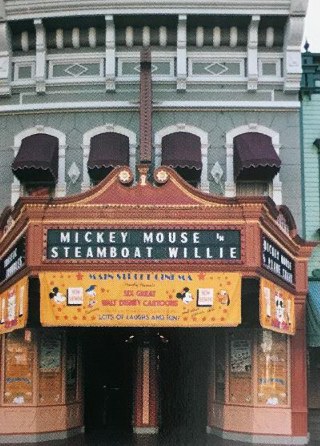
x,y
100,439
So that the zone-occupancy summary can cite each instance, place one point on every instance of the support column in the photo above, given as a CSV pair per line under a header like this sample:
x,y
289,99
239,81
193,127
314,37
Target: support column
x,y
145,417
292,54
110,53
5,60
253,53
182,53
41,55
299,405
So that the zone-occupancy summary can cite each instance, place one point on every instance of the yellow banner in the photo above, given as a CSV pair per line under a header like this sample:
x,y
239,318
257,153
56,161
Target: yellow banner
x,y
140,299
14,307
276,308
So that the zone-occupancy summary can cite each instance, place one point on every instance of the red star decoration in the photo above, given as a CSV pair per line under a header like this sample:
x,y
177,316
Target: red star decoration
x,y
93,318
79,310
204,319
185,318
57,317
102,290
213,318
66,317
222,319
201,276
170,296
75,318
61,276
59,309
79,276
228,283
84,318
52,282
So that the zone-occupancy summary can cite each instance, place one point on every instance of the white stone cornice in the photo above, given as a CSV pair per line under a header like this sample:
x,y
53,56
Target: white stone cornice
x,y
18,9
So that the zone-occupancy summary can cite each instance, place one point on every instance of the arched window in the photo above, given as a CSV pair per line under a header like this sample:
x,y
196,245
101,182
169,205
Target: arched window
x,y
107,151
185,149
39,162
104,148
253,162
182,152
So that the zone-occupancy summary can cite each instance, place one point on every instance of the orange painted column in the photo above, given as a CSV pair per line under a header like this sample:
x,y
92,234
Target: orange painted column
x,y
298,357
146,391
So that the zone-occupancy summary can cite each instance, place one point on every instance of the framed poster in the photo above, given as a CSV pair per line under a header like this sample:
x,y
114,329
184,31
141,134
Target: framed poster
x,y
240,367
50,368
50,352
18,380
71,369
272,368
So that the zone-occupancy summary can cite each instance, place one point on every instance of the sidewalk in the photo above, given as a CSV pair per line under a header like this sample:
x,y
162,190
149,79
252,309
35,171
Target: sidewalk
x,y
102,439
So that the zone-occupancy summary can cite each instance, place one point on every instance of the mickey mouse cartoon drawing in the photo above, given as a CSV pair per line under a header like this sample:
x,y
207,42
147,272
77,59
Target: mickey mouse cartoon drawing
x,y
57,296
185,295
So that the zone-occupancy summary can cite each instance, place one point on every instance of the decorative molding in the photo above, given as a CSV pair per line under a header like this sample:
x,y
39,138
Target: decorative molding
x,y
182,127
64,8
163,36
233,36
129,36
59,38
199,36
75,38
230,185
25,41
216,36
146,36
269,37
92,37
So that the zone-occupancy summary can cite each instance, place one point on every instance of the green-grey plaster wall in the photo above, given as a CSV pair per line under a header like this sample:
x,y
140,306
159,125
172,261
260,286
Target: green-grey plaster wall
x,y
216,123
310,117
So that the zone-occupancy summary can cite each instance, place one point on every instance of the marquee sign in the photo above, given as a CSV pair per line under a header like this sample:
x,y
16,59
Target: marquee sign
x,y
144,244
277,261
139,298
12,262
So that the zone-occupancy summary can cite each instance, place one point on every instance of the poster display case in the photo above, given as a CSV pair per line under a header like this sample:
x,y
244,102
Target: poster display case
x,y
240,367
19,377
50,367
272,368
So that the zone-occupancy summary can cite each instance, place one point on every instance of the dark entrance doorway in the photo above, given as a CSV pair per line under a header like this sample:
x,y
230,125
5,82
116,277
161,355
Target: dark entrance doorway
x,y
108,380
184,371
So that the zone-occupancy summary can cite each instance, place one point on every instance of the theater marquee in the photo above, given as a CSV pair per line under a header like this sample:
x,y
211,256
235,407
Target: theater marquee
x,y
95,244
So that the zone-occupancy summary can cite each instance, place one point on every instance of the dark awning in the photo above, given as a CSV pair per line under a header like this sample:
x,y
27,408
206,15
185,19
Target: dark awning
x,y
37,159
182,149
255,157
107,150
313,314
